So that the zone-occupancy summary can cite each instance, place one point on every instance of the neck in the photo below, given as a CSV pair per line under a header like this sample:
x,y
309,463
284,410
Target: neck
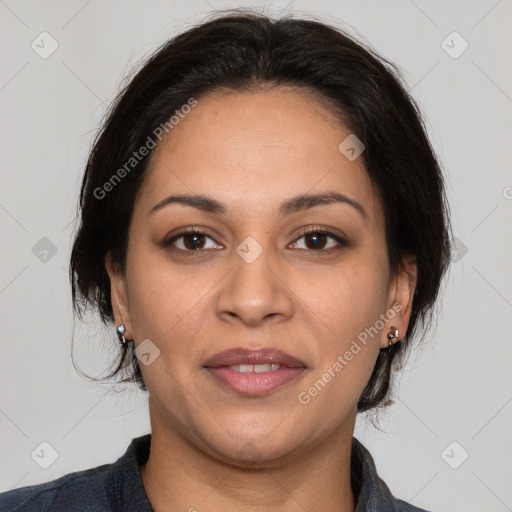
x,y
180,476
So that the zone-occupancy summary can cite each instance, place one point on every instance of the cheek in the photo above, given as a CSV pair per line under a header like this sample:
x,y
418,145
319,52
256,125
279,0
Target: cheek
x,y
167,305
350,304
150,294
161,303
350,297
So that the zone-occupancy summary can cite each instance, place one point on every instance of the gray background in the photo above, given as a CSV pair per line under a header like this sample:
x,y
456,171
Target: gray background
x,y
457,389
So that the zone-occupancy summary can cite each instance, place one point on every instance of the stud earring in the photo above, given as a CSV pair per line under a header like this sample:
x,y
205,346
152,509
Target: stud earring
x,y
120,334
392,335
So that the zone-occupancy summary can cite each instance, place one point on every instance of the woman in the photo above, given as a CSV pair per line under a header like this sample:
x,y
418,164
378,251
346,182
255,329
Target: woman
x,y
264,221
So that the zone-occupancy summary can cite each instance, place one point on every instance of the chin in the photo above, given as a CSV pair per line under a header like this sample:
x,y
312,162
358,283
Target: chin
x,y
253,451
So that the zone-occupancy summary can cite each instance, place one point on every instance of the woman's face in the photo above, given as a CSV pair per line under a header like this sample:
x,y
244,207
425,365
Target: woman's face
x,y
256,279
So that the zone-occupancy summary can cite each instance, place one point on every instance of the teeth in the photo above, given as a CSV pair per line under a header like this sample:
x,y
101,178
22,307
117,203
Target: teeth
x,y
257,368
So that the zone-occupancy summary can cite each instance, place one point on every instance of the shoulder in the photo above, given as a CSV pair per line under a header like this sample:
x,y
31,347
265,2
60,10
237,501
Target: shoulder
x,y
78,491
373,493
114,486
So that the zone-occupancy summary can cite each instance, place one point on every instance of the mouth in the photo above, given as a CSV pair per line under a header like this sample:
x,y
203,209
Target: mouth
x,y
254,372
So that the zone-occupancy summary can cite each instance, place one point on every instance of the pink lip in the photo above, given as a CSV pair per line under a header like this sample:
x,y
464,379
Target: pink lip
x,y
254,384
261,356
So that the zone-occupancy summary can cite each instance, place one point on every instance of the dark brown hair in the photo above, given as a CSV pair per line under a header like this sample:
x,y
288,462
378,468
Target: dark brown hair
x,y
243,51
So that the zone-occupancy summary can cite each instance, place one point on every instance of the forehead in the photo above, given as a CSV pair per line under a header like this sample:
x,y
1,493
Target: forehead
x,y
250,149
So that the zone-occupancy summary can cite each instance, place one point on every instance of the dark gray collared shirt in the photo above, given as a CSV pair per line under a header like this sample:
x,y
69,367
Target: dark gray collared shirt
x,y
118,487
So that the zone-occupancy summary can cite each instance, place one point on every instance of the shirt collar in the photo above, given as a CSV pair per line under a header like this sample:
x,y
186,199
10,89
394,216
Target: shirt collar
x,y
126,491
124,482
372,494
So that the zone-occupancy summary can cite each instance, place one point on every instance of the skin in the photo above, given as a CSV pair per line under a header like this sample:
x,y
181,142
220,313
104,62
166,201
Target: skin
x,y
213,449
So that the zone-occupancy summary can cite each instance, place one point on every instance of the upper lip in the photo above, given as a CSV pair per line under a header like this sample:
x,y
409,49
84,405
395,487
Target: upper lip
x,y
236,356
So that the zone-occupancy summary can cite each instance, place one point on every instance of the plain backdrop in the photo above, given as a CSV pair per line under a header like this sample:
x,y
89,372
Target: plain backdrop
x,y
445,444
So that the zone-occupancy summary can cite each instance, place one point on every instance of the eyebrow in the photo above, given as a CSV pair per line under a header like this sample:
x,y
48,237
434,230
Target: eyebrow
x,y
292,205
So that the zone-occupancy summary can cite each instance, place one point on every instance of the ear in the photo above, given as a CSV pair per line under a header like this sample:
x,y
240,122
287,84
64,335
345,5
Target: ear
x,y
401,294
119,296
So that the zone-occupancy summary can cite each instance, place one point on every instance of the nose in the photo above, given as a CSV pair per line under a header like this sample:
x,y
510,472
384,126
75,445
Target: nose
x,y
255,292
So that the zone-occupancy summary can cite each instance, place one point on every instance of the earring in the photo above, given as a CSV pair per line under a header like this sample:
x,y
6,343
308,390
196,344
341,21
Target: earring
x,y
120,334
392,335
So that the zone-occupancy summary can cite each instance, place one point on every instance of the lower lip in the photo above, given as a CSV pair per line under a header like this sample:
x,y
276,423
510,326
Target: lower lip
x,y
254,384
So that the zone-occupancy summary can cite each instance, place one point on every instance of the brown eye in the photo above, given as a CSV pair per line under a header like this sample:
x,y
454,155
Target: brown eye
x,y
193,241
316,240
189,241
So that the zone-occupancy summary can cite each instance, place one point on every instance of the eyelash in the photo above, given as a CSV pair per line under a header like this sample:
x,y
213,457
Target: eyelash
x,y
316,229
